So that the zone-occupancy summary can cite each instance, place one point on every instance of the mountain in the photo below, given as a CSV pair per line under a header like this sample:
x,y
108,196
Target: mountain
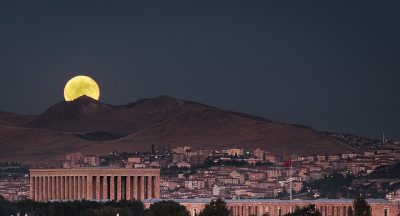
x,y
93,127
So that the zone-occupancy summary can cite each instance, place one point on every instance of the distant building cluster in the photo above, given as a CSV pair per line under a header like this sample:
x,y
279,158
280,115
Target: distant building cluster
x,y
76,159
238,176
14,182
232,173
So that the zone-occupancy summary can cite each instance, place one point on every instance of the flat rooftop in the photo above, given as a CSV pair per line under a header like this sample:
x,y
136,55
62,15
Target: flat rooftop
x,y
208,200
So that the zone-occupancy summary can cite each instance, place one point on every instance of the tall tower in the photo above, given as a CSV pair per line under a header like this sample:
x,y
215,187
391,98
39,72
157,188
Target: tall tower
x,y
383,138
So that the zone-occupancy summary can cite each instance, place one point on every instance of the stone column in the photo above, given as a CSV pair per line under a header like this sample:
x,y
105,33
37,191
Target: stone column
x,y
149,187
60,191
66,178
128,188
74,188
112,188
157,187
71,187
43,191
50,187
139,187
56,188
77,188
98,187
105,188
40,188
46,188
83,194
89,187
65,189
141,182
47,196
53,188
84,187
135,188
79,178
37,190
57,181
32,187
119,188
36,198
76,178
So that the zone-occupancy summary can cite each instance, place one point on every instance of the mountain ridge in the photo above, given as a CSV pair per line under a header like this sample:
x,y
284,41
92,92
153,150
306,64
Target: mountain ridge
x,y
95,127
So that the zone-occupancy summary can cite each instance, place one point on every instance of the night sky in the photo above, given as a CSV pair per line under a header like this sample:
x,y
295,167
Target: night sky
x,y
331,65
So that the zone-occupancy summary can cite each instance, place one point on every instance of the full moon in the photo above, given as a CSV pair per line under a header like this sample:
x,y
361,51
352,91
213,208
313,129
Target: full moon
x,y
79,86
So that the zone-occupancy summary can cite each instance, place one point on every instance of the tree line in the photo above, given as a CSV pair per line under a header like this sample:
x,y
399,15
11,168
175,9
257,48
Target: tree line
x,y
136,208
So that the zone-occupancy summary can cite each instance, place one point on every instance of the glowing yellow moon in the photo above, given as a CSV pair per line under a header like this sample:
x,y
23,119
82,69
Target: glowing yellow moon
x,y
79,86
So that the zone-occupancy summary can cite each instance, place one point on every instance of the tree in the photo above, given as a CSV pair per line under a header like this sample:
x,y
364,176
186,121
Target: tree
x,y
75,208
350,212
166,208
361,208
216,208
305,211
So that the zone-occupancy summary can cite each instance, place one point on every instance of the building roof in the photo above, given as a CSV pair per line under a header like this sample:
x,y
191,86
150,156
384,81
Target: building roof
x,y
208,200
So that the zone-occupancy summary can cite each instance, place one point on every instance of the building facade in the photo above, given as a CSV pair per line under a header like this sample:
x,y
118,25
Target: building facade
x,y
94,184
274,207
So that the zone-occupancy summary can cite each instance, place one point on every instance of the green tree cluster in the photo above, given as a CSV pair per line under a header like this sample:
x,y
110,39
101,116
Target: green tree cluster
x,y
331,186
216,208
361,208
76,208
166,208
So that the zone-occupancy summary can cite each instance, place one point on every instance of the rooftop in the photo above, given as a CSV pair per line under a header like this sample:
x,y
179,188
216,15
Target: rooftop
x,y
207,200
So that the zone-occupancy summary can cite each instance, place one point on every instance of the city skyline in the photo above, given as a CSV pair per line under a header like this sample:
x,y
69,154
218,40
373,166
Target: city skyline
x,y
200,108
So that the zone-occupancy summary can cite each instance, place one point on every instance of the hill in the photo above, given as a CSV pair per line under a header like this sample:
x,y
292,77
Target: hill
x,y
93,127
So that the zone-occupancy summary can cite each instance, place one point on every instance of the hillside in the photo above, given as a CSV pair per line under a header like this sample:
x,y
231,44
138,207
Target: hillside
x,y
93,127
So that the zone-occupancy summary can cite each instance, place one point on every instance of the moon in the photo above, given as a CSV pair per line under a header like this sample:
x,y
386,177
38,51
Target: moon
x,y
79,86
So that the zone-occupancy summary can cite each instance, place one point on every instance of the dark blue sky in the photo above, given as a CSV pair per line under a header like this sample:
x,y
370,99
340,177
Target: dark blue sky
x,y
331,65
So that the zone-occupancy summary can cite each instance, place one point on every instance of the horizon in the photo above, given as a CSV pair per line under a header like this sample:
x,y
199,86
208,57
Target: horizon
x,y
329,65
272,108
175,98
